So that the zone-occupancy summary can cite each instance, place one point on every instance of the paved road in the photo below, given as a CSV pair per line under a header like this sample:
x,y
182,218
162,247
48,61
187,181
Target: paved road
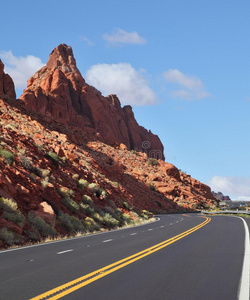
x,y
205,264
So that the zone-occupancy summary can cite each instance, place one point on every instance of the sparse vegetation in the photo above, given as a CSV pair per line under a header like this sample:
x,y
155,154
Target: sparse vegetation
x,y
70,204
41,226
152,187
53,157
87,200
7,156
153,162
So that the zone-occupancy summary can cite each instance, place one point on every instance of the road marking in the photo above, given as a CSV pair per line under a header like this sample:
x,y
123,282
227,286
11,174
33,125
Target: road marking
x,y
133,233
150,229
244,282
80,282
65,251
171,224
162,226
106,241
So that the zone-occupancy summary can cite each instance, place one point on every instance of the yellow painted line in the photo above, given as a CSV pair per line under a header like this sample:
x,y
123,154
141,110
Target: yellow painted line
x,y
80,282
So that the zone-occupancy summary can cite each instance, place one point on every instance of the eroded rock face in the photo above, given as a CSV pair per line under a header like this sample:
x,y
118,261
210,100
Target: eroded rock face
x,y
59,91
7,88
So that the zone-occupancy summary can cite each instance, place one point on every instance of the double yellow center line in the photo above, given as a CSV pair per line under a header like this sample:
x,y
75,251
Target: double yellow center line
x,y
80,282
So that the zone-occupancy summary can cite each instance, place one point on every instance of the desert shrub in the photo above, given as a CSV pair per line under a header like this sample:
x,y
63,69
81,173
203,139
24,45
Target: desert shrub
x,y
65,221
87,200
8,204
153,162
152,187
86,209
41,226
82,183
109,221
16,217
95,189
90,224
63,191
103,193
70,204
7,156
146,214
126,205
97,217
53,157
75,177
126,218
159,203
32,176
45,182
9,237
41,172
26,162
77,225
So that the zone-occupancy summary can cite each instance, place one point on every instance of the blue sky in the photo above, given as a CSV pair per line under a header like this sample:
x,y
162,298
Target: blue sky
x,y
183,65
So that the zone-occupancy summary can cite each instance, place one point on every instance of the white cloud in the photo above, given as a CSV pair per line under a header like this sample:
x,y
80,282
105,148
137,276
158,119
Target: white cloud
x,y
191,87
237,187
86,40
120,36
20,68
123,80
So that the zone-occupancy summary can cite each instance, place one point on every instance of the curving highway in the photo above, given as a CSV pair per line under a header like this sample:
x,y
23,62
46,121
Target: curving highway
x,y
177,257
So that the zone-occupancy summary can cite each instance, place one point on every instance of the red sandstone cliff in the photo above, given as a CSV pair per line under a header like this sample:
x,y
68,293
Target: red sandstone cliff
x,y
58,90
7,88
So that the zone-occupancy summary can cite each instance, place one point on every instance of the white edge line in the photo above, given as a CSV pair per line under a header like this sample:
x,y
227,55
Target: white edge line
x,y
107,241
65,251
243,293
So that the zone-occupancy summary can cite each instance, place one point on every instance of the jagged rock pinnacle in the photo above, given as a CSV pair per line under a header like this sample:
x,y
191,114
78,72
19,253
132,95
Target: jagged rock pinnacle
x,y
61,55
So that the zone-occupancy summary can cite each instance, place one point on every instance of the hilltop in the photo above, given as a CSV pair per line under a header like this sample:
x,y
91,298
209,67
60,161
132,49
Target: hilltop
x,y
75,161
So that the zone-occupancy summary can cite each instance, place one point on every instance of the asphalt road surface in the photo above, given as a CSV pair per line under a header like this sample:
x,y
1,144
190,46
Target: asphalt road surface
x,y
177,257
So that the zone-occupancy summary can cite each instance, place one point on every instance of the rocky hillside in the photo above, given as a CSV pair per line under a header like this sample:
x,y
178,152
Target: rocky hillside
x,y
63,172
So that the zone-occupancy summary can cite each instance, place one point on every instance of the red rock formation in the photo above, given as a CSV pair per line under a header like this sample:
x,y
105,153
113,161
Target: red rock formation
x,y
7,88
58,90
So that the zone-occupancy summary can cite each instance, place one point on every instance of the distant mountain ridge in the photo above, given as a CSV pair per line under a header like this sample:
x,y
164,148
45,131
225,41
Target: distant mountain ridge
x,y
220,196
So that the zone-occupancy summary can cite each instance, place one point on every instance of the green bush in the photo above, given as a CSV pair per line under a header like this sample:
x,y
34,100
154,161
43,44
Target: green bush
x,y
146,214
152,187
82,183
97,217
90,224
16,217
86,209
77,225
53,157
87,200
70,204
126,218
95,189
66,221
126,205
8,204
153,162
7,156
9,237
41,226
109,221
26,162
41,172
